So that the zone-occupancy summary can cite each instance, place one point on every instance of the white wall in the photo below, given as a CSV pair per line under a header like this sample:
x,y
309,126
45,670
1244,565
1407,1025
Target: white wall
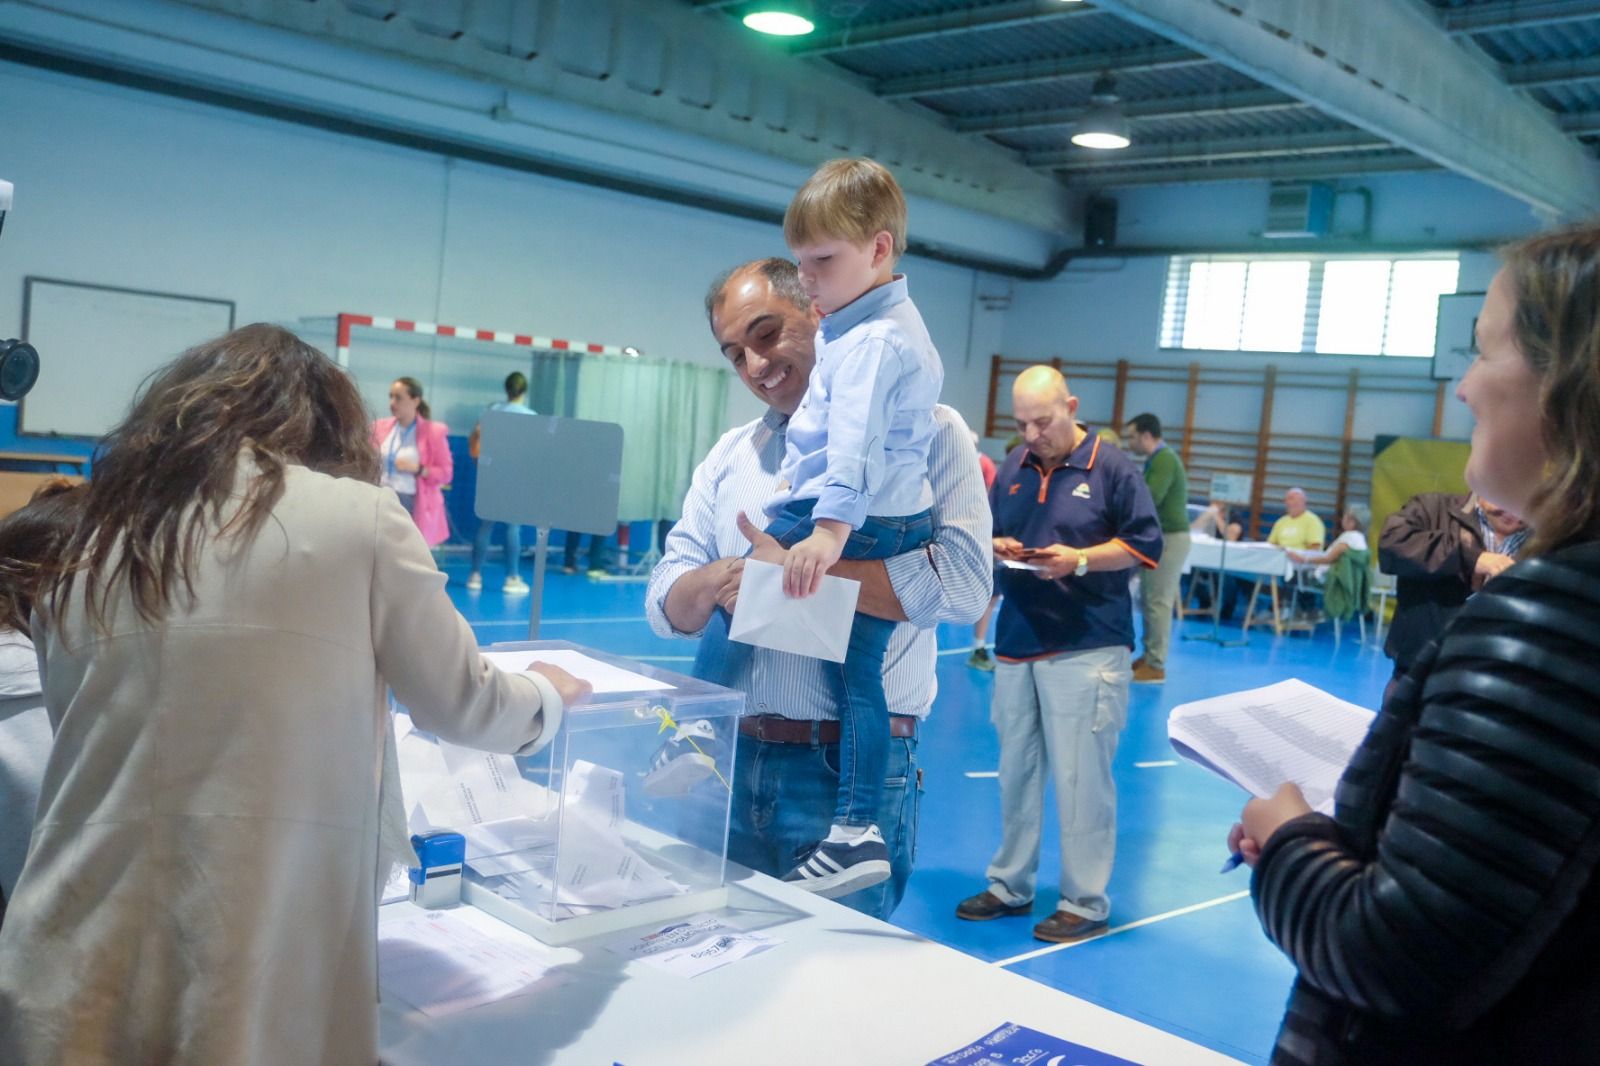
x,y
123,188
1101,310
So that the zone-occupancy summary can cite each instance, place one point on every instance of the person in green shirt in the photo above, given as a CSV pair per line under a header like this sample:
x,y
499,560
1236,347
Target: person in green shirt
x,y
1158,588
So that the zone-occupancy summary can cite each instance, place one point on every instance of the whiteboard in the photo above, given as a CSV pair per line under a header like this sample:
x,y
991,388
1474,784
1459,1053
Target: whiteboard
x,y
97,345
1455,344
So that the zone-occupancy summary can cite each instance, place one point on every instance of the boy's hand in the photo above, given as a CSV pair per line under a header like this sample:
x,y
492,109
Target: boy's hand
x,y
808,561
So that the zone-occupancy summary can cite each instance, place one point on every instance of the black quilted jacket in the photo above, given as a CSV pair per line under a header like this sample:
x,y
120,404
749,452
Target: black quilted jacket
x,y
1448,912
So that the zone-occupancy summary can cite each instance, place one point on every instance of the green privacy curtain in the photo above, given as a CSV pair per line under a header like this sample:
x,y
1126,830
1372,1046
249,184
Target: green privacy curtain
x,y
553,388
671,414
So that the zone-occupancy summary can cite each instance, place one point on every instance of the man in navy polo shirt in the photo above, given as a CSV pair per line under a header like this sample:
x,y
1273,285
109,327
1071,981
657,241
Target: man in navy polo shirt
x,y
1072,512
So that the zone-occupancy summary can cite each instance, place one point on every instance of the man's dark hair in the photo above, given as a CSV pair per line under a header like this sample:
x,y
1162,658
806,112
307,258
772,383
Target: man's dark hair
x,y
1146,423
781,274
516,384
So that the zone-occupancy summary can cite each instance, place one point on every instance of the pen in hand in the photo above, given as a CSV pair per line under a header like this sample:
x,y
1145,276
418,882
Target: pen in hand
x,y
1234,862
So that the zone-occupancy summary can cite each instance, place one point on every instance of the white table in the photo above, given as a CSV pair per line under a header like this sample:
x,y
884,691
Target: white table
x,y
1244,558
886,996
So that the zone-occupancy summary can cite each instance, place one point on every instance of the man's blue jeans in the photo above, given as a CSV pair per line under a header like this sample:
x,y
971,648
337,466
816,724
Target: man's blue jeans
x,y
784,795
857,683
783,799
480,546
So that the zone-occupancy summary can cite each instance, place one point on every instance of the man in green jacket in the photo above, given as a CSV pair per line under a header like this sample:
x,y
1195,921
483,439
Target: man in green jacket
x,y
1158,588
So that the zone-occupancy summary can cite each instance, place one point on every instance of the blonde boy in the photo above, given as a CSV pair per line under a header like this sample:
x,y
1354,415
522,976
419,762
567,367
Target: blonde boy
x,y
855,471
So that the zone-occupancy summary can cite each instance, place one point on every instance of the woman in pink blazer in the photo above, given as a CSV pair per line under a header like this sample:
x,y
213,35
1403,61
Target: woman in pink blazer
x,y
415,457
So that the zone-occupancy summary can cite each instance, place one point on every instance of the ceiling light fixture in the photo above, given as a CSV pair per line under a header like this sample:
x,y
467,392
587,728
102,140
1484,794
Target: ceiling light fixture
x,y
1103,125
782,18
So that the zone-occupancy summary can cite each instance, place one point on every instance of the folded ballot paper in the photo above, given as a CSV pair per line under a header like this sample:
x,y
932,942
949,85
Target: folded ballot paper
x,y
1261,738
817,626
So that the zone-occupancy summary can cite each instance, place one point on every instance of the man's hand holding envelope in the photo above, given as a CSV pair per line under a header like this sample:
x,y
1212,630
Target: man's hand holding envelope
x,y
818,626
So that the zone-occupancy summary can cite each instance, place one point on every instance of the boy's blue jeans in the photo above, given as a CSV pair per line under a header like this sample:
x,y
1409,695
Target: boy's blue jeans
x,y
858,682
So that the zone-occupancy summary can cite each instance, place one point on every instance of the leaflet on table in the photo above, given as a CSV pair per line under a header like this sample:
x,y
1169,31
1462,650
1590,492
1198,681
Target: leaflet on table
x,y
446,961
1019,1045
603,676
1260,738
694,946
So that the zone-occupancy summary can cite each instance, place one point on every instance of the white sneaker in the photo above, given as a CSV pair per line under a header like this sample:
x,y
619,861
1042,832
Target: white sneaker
x,y
474,582
514,586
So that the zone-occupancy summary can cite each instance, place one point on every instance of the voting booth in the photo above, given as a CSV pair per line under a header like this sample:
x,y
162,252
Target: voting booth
x,y
620,821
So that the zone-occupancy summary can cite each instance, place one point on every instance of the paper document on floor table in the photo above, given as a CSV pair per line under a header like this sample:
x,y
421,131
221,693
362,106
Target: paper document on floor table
x,y
1261,738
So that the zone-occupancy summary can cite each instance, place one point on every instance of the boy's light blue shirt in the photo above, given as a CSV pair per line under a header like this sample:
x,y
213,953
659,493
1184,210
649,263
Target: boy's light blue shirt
x,y
512,405
858,445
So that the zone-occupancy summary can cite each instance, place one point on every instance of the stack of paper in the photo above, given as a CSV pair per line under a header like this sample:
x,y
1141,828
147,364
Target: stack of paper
x,y
1263,737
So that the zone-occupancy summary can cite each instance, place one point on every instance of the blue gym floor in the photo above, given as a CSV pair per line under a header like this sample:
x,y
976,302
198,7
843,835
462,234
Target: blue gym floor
x,y
1184,952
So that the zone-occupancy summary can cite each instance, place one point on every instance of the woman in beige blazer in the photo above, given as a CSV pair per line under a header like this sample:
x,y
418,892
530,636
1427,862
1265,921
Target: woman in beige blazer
x,y
201,885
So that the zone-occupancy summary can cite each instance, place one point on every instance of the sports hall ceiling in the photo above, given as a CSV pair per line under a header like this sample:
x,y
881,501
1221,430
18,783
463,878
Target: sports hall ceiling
x,y
972,101
1203,104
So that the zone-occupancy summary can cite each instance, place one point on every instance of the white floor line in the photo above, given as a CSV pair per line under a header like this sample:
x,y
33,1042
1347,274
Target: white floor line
x,y
1025,956
560,622
665,658
1153,765
956,651
983,773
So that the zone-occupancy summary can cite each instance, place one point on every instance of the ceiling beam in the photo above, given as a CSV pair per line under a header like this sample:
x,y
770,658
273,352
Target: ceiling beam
x,y
1388,67
1027,72
1202,149
1205,105
1552,72
1516,15
1581,123
1281,170
943,24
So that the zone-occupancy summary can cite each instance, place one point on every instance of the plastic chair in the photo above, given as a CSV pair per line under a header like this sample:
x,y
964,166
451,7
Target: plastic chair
x,y
1382,588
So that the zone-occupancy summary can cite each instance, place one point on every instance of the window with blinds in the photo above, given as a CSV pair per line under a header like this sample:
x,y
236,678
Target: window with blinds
x,y
1345,305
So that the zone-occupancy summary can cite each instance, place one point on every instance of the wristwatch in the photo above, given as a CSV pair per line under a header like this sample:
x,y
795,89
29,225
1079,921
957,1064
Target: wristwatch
x,y
1083,564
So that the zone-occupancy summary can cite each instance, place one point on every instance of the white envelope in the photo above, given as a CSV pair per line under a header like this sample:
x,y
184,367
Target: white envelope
x,y
817,626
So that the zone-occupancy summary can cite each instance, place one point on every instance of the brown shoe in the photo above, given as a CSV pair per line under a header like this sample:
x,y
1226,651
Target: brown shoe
x,y
1138,662
1148,675
1063,928
986,905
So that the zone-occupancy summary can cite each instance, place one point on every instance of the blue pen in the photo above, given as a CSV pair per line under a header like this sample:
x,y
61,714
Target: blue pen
x,y
1233,863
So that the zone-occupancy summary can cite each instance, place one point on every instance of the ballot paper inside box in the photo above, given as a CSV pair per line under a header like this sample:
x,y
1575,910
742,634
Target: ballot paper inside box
x,y
621,821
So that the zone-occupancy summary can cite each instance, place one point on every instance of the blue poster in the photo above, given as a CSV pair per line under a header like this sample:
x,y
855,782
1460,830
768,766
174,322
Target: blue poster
x,y
1015,1045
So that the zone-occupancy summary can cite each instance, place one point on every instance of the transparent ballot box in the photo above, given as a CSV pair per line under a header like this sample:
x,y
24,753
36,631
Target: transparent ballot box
x,y
620,821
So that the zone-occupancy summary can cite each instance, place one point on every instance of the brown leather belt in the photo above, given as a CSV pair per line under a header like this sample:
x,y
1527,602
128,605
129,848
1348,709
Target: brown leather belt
x,y
774,729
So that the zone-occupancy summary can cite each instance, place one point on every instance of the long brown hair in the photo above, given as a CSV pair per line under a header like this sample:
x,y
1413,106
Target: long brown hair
x,y
31,543
167,472
1555,279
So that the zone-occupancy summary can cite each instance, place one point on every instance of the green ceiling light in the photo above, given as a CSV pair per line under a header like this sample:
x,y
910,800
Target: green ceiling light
x,y
781,18
1103,125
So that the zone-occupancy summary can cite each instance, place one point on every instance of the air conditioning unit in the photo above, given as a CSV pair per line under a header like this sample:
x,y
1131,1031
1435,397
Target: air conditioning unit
x,y
1299,209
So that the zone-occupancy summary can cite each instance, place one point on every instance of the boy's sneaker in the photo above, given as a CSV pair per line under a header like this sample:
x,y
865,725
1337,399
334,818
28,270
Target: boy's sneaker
x,y
980,660
474,581
838,868
687,758
514,586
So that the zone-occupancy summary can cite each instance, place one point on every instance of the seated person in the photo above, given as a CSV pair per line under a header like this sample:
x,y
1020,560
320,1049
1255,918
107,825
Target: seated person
x,y
1217,521
1299,529
1352,536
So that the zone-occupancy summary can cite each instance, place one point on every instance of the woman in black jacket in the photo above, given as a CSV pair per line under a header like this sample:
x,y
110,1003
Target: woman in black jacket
x,y
1449,911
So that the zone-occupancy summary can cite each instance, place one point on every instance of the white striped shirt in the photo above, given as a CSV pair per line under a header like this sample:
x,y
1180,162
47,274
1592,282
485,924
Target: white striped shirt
x,y
949,582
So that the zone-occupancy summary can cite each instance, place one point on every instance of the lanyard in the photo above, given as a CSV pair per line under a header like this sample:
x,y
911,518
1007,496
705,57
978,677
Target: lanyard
x,y
397,440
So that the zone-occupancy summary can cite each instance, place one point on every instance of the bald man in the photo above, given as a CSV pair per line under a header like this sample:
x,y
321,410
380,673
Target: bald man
x,y
1071,513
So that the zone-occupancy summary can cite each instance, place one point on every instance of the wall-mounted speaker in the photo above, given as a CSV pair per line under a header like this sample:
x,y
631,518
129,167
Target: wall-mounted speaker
x,y
1100,222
